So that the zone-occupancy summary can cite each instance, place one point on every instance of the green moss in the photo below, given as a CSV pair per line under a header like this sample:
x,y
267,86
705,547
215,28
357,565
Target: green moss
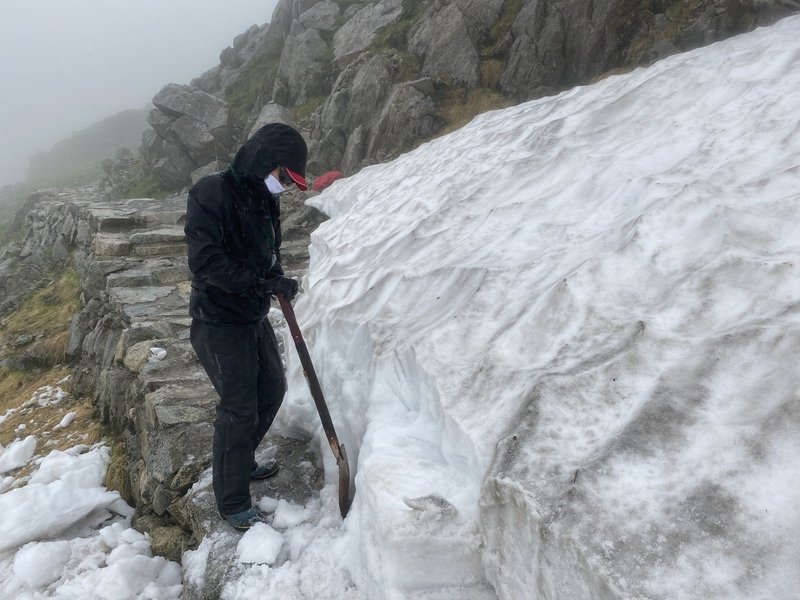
x,y
145,185
407,68
305,110
508,15
256,76
395,36
680,13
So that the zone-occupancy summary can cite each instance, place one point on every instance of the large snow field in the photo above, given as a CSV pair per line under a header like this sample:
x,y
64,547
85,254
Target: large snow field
x,y
576,321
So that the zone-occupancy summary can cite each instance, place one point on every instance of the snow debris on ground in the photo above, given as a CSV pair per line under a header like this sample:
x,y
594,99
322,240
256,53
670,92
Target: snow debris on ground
x,y
67,420
63,535
17,454
157,354
260,544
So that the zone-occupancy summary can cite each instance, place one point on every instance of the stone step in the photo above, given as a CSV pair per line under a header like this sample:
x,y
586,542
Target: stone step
x,y
175,405
114,220
162,250
165,235
112,244
132,278
155,378
164,217
166,241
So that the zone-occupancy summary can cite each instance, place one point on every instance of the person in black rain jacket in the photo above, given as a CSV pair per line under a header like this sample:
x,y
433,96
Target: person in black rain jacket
x,y
234,236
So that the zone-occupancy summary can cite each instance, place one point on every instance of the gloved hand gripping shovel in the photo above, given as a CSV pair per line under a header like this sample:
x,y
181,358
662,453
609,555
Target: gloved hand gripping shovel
x,y
316,392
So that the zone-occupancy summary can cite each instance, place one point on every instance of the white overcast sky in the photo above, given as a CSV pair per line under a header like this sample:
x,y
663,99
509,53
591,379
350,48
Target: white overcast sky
x,y
65,64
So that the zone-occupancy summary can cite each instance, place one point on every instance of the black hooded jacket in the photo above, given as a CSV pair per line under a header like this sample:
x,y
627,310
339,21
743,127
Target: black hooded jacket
x,y
233,229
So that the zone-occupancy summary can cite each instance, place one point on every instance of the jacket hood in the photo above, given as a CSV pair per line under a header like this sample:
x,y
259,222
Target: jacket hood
x,y
274,145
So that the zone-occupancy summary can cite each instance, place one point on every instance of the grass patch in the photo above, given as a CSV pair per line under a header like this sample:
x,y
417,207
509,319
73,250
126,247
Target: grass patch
x,y
116,474
395,35
145,185
305,110
457,107
256,75
502,26
407,67
491,72
47,310
25,416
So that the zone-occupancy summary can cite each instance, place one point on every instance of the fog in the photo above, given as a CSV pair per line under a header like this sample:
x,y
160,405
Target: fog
x,y
65,64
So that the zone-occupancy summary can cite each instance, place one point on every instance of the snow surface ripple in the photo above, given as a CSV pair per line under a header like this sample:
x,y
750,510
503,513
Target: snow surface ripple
x,y
576,321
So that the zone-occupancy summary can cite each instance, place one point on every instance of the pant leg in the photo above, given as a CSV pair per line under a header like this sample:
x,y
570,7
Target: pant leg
x,y
229,356
271,381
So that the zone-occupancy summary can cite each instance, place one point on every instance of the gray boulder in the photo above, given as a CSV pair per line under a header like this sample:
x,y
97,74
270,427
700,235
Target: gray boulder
x,y
246,47
196,140
358,95
321,15
232,60
448,45
159,121
359,32
173,166
407,117
556,43
182,100
191,129
151,146
279,26
481,14
211,167
272,113
304,66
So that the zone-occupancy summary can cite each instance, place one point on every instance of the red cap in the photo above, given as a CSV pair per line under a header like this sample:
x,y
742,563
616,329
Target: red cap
x,y
299,180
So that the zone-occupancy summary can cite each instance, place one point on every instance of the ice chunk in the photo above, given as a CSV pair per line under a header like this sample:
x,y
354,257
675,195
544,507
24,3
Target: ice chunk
x,y
261,544
39,563
289,515
67,420
17,454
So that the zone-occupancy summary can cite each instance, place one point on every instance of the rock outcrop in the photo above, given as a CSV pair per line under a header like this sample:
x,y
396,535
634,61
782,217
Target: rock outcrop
x,y
366,81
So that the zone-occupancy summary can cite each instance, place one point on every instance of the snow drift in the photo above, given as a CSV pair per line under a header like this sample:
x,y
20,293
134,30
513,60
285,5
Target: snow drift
x,y
560,342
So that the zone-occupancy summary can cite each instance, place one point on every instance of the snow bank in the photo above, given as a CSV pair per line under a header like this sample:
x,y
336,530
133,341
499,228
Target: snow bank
x,y
63,535
575,322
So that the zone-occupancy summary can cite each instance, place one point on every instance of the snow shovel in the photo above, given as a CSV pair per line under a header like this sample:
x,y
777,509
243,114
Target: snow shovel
x,y
316,392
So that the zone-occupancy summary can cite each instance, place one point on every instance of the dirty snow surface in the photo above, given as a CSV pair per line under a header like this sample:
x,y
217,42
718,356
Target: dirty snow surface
x,y
561,343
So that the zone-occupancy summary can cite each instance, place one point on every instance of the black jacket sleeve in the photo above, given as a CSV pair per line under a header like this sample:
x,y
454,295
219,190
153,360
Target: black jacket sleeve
x,y
208,259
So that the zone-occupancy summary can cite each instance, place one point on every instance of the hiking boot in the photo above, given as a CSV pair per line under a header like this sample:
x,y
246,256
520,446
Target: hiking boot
x,y
265,471
242,521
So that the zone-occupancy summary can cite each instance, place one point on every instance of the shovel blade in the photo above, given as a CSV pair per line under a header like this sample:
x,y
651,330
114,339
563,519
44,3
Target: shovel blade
x,y
345,497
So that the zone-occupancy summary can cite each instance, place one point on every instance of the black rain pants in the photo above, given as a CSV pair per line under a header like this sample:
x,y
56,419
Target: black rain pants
x,y
244,366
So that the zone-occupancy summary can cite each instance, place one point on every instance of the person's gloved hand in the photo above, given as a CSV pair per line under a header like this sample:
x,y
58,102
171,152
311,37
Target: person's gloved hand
x,y
277,285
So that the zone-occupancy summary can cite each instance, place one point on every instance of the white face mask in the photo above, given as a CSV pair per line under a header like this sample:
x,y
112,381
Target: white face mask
x,y
273,185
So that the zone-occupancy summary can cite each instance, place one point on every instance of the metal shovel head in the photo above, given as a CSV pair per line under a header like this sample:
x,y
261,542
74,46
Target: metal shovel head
x,y
345,498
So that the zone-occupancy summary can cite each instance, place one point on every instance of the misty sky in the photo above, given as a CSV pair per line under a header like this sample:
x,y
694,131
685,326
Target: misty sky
x,y
65,64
